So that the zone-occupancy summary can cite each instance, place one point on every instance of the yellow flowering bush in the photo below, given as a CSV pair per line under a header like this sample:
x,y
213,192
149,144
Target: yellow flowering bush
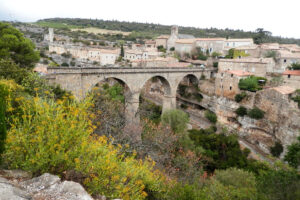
x,y
55,136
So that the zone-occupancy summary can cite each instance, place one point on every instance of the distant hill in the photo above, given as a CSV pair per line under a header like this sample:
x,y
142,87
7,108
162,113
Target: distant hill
x,y
155,29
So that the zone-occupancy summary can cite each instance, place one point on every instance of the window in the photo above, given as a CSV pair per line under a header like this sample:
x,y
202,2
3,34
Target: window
x,y
231,75
284,60
230,88
221,74
289,76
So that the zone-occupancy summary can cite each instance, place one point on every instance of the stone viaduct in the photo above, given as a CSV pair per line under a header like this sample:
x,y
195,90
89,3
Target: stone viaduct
x,y
81,80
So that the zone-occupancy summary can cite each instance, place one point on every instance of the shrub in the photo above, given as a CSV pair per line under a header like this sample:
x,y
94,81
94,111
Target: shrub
x,y
176,119
183,106
65,64
256,113
241,111
54,137
239,97
212,117
172,49
215,64
295,66
250,84
279,183
221,151
293,154
232,184
277,149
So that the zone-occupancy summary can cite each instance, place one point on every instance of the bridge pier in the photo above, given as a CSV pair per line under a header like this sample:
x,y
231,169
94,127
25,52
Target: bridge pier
x,y
169,102
132,118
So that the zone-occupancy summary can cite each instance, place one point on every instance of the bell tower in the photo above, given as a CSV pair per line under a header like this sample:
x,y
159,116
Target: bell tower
x,y
174,30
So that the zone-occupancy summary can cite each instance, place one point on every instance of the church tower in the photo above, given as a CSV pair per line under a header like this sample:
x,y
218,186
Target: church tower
x,y
174,30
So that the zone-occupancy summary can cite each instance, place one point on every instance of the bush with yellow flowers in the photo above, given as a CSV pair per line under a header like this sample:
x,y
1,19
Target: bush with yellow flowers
x,y
55,136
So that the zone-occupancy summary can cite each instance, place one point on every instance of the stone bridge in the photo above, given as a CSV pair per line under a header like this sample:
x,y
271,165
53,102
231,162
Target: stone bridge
x,y
81,80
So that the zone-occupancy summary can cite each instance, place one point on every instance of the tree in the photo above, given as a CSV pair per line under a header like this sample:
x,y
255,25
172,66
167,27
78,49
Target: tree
x,y
176,119
293,154
122,51
261,36
279,183
277,149
13,45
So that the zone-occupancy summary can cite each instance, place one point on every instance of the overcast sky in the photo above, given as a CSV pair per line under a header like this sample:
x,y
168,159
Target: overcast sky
x,y
281,17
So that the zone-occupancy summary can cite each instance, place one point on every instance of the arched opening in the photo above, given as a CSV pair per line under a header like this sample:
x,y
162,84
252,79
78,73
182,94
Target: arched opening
x,y
110,96
153,98
188,88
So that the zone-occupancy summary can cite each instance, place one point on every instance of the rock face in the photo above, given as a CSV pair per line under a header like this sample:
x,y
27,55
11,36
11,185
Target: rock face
x,y
281,121
45,187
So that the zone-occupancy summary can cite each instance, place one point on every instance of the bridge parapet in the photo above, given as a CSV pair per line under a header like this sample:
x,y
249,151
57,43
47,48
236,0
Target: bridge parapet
x,y
124,70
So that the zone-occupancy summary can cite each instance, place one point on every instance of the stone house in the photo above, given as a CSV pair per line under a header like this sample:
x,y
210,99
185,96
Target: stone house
x,y
162,40
109,57
227,82
210,44
150,44
293,48
286,59
184,46
292,78
256,66
135,55
251,50
233,43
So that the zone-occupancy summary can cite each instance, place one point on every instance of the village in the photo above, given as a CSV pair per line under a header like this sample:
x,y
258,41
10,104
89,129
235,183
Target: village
x,y
274,66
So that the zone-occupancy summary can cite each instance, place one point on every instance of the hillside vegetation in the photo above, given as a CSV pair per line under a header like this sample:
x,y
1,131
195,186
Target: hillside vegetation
x,y
155,29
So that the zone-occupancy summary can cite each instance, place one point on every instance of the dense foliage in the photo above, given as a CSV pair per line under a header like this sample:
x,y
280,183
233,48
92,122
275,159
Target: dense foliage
x,y
293,154
252,83
16,47
3,94
223,151
176,119
212,117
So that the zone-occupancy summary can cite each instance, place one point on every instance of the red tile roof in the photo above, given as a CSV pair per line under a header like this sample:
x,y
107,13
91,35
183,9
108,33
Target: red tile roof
x,y
292,72
285,89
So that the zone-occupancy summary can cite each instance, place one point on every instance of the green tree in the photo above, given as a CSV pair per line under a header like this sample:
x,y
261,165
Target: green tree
x,y
279,183
176,119
293,154
13,45
261,36
277,149
122,51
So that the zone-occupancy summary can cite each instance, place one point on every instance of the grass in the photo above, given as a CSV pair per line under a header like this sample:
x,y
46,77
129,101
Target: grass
x,y
56,25
101,31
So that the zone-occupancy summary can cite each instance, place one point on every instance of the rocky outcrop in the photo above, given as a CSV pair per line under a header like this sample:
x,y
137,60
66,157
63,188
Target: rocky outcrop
x,y
281,121
14,186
